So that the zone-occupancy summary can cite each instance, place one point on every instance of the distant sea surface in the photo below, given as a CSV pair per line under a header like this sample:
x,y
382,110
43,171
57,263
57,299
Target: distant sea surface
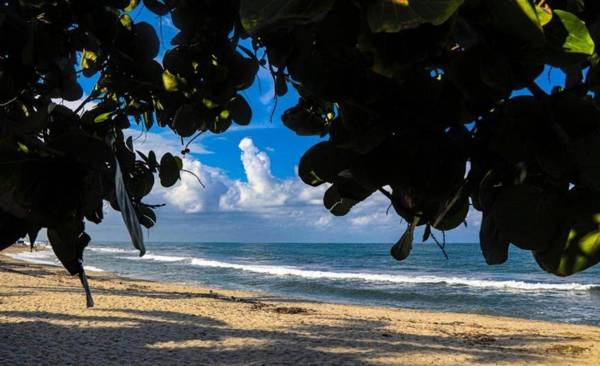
x,y
363,274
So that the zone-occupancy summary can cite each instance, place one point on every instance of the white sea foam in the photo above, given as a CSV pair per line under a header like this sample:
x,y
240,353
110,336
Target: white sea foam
x,y
93,269
158,258
111,250
44,257
507,285
39,257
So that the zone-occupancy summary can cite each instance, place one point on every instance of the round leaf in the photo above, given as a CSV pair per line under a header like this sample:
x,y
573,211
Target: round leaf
x,y
240,110
169,171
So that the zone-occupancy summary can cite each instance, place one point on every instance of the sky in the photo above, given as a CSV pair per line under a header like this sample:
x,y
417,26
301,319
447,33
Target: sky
x,y
252,192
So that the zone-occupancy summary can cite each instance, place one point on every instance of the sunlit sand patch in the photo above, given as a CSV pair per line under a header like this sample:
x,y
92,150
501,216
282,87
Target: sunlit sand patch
x,y
229,343
342,350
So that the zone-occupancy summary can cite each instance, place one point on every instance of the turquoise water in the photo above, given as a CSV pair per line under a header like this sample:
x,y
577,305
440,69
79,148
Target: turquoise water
x,y
366,274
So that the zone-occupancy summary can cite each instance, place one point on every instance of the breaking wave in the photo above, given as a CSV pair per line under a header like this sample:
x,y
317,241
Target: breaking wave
x,y
375,277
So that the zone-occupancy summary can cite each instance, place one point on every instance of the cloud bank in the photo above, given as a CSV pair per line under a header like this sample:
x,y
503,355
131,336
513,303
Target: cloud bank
x,y
261,206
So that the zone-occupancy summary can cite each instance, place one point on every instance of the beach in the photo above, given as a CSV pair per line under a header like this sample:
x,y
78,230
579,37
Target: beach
x,y
43,320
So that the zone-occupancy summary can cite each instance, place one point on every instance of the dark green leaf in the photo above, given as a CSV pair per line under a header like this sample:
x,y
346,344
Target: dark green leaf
x,y
397,15
146,216
335,203
578,39
321,163
128,212
259,15
169,170
401,250
518,18
494,246
186,121
240,110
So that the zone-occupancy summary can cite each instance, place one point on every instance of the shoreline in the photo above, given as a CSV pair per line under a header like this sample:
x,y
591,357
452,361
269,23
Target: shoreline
x,y
43,319
15,252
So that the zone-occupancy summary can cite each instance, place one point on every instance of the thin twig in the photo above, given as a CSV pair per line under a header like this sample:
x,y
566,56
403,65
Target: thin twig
x,y
8,102
85,101
195,176
536,90
192,139
442,247
153,206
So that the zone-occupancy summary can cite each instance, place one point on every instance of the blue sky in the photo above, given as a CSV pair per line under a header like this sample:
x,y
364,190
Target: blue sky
x,y
252,191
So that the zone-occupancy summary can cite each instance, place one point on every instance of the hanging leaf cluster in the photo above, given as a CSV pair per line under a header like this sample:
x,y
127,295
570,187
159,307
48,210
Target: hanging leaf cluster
x,y
415,96
412,93
60,165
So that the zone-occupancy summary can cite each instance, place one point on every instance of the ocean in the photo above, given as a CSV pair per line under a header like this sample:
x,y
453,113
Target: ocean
x,y
362,274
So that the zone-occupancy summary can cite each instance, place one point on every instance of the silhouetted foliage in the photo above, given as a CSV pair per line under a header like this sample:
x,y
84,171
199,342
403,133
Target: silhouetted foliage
x,y
410,92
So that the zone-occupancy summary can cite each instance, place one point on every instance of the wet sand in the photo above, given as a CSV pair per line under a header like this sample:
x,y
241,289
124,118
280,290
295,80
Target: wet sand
x,y
43,320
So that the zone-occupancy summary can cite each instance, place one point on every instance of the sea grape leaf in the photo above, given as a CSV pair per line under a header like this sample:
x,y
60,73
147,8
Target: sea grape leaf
x,y
221,122
147,42
178,62
494,246
426,233
68,242
141,182
132,5
455,216
34,120
169,171
258,15
544,14
527,215
335,203
586,152
240,110
148,120
126,21
303,122
321,163
569,43
71,91
146,216
518,18
578,39
281,87
401,250
186,120
11,229
170,81
396,15
246,69
576,245
127,211
83,148
179,162
103,117
88,62
152,162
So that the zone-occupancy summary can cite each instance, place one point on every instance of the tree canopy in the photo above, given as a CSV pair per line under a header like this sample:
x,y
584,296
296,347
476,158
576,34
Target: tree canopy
x,y
416,98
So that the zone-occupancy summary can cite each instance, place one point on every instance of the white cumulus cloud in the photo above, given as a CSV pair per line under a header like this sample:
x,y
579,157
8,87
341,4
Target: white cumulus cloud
x,y
261,190
283,203
189,195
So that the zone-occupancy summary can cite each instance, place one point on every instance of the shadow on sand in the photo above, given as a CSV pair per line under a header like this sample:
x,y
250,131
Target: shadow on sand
x,y
134,336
